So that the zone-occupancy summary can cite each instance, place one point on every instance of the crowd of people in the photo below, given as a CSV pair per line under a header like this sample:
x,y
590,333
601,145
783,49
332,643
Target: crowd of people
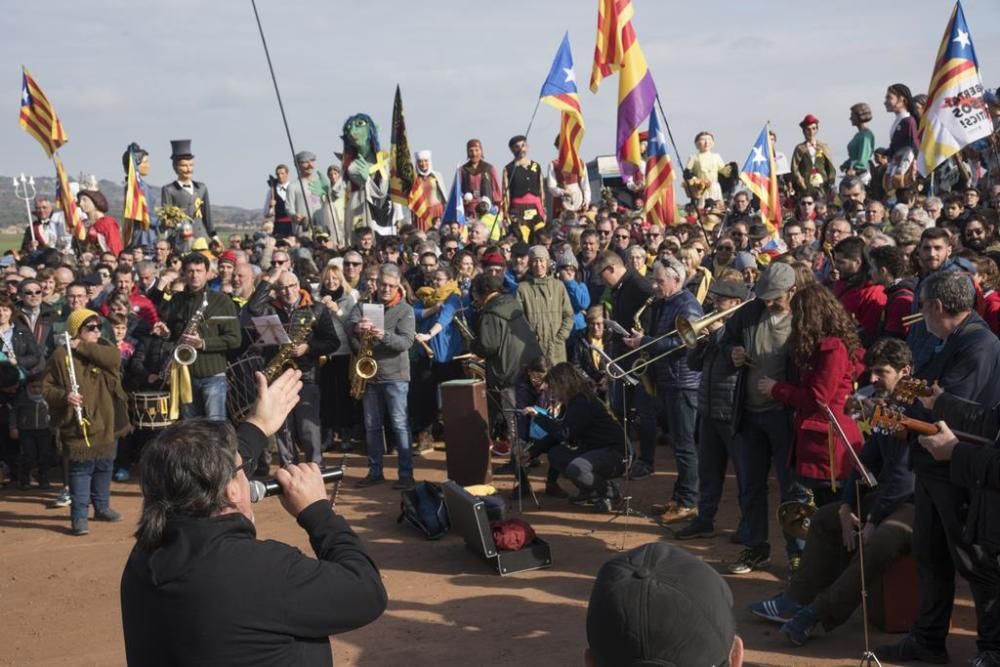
x,y
567,308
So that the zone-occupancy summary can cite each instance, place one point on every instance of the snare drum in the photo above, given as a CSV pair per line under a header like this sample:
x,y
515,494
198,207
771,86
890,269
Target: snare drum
x,y
150,409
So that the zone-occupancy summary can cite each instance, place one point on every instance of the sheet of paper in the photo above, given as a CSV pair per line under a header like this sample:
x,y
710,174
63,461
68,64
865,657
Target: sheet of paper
x,y
374,313
614,327
271,330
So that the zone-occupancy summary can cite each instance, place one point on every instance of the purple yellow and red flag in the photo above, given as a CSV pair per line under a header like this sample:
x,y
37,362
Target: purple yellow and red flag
x,y
660,206
956,114
761,178
38,118
617,50
559,91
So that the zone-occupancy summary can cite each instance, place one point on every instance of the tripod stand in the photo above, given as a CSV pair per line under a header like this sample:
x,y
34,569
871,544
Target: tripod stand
x,y
624,508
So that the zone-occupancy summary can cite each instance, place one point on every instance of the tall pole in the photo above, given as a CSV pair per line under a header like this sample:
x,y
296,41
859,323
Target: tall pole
x,y
281,107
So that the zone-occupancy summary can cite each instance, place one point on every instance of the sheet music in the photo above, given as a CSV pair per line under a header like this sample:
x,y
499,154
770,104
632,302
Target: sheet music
x,y
374,313
271,330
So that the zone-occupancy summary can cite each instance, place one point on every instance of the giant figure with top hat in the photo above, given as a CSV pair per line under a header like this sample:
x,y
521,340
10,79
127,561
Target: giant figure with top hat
x,y
187,194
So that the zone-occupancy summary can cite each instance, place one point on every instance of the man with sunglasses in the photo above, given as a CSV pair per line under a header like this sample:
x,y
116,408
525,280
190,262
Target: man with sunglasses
x,y
281,295
36,315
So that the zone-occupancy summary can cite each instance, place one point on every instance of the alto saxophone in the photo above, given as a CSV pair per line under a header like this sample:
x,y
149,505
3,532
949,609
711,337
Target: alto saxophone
x,y
642,360
301,328
364,366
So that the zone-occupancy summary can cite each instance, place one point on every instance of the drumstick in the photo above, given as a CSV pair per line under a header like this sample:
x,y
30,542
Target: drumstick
x,y
427,348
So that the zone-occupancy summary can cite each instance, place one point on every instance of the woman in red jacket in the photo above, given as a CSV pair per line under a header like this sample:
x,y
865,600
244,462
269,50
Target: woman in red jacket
x,y
825,349
102,230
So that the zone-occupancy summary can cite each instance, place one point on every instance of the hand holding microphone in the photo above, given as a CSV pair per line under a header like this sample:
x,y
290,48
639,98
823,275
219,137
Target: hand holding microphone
x,y
298,485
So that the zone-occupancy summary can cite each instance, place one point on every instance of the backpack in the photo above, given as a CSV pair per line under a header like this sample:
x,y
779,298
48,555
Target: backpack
x,y
423,506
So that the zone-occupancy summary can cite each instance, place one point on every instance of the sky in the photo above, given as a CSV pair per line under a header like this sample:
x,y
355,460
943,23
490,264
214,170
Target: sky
x,y
151,72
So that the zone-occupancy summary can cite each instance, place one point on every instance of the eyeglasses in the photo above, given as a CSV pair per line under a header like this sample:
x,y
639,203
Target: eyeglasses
x,y
33,292
287,288
808,203
451,248
382,285
352,263
622,237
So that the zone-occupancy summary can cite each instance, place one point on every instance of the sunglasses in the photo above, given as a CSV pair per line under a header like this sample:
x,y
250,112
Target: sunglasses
x,y
352,263
33,292
808,203
621,237
92,327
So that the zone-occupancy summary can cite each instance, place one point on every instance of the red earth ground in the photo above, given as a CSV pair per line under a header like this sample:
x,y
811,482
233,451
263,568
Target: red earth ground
x,y
60,593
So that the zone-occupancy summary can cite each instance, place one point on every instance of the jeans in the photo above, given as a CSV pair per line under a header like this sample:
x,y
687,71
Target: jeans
x,y
765,437
89,481
714,451
209,396
383,399
301,430
680,406
589,470
830,576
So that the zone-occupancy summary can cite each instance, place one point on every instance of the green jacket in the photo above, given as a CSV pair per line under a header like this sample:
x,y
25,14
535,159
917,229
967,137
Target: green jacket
x,y
97,374
802,167
546,306
505,341
220,328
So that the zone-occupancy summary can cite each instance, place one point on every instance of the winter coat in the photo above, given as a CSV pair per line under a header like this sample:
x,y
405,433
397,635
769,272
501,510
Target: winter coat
x,y
671,372
220,328
505,340
97,373
546,306
717,389
865,302
392,352
830,382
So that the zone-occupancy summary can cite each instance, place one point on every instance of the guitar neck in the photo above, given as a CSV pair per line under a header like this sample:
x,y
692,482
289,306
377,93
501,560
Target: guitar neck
x,y
927,428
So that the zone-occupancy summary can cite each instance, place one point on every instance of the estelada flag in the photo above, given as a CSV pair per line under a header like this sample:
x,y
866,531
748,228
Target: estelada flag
x,y
761,178
559,91
64,197
38,118
660,206
955,114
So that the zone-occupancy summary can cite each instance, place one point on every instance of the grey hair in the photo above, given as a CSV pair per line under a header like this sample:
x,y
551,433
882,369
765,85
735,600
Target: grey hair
x,y
389,269
673,265
146,265
953,289
185,471
851,182
933,202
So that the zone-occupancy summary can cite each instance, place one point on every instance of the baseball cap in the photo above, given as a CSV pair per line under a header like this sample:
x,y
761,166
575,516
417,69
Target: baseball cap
x,y
777,279
659,605
519,250
538,252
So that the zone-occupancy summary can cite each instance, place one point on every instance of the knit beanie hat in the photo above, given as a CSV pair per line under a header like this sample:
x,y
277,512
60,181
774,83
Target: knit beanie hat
x,y
76,320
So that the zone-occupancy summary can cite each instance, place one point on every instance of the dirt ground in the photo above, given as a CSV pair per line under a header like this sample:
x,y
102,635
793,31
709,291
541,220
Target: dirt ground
x,y
60,593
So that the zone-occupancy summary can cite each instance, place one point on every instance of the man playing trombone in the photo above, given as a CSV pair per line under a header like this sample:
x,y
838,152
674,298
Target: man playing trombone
x,y
676,385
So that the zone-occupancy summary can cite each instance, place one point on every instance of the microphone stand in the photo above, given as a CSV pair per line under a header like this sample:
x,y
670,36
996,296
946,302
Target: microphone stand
x,y
868,657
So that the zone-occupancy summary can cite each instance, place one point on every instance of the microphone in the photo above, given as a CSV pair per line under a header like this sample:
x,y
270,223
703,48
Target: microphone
x,y
270,487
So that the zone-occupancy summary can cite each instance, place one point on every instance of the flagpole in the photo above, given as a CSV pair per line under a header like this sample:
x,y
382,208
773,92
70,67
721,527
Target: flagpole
x,y
284,118
666,123
531,122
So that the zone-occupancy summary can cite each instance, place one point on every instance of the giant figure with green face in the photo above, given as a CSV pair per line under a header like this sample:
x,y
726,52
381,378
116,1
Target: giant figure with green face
x,y
367,171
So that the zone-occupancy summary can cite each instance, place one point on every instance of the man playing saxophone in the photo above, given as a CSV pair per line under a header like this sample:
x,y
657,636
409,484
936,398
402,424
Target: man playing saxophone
x,y
218,333
313,334
385,392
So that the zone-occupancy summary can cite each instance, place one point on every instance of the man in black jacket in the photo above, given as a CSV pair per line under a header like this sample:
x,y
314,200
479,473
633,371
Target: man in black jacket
x,y
966,364
313,334
200,589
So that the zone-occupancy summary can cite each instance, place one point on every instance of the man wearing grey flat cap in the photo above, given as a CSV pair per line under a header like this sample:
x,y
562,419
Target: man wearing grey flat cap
x,y
315,201
546,306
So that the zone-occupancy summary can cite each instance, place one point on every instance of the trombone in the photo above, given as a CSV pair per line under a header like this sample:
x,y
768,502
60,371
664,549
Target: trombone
x,y
690,332
911,319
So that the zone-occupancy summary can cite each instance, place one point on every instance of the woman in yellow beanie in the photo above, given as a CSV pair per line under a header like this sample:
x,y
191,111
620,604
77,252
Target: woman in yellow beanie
x,y
89,443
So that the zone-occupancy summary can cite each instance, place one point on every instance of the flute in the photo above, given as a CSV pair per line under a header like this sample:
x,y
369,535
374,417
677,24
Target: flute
x,y
74,388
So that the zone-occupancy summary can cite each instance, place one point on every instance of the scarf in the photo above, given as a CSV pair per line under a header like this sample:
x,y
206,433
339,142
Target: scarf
x,y
432,296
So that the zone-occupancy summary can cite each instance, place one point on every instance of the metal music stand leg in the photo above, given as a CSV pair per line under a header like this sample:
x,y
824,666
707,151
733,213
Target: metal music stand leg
x,y
868,658
625,507
516,449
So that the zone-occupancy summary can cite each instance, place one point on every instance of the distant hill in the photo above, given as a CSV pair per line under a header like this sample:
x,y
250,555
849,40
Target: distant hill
x,y
13,214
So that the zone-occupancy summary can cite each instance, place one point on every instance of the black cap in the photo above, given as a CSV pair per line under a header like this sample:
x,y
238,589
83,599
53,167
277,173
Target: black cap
x,y
91,280
729,289
659,605
519,250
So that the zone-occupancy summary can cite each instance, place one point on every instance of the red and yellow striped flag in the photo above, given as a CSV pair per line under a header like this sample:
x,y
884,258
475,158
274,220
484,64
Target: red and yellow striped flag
x,y
136,206
38,118
64,197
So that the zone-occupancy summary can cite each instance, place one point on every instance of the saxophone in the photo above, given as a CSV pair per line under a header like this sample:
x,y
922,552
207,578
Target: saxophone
x,y
363,367
185,354
642,359
300,330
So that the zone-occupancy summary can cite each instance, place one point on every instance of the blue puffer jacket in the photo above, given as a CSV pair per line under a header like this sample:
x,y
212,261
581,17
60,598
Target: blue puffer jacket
x,y
579,300
672,372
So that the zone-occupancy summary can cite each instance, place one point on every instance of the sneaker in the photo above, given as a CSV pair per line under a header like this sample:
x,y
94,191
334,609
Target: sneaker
x,y
404,484
986,659
62,500
603,506
694,531
800,626
909,649
678,513
640,470
750,559
121,475
107,514
80,527
779,608
368,480
588,497
553,490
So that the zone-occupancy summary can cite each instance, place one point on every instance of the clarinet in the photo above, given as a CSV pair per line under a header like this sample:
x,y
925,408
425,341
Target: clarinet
x,y
74,388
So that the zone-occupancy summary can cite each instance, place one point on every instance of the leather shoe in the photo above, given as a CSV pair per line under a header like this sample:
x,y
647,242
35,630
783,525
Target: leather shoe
x,y
368,480
910,649
674,512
